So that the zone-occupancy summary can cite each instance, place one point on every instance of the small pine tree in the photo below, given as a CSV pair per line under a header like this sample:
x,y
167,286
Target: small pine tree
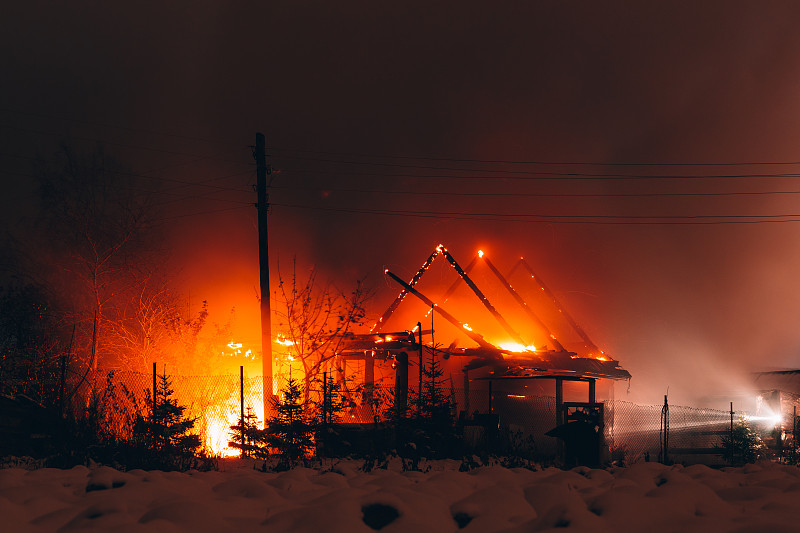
x,y
432,430
743,445
290,432
166,430
435,403
248,437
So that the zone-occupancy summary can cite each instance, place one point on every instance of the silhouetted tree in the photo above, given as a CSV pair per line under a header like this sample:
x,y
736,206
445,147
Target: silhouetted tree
x,y
290,432
743,445
317,320
97,221
248,437
166,430
31,353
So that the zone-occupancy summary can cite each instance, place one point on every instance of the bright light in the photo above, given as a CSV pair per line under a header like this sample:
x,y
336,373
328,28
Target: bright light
x,y
466,327
480,253
220,418
235,345
517,347
283,341
767,420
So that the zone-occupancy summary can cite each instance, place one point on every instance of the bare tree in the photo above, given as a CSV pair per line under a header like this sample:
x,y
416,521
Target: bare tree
x,y
153,327
316,319
98,221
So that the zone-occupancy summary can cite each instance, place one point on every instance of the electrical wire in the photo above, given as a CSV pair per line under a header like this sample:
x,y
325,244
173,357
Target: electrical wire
x,y
535,194
544,175
565,219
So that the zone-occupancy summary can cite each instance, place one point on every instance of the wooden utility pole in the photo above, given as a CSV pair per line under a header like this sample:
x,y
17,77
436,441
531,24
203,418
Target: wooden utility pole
x,y
263,260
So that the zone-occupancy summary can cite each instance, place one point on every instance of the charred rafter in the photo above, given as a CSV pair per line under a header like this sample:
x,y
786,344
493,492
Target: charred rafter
x,y
536,320
579,330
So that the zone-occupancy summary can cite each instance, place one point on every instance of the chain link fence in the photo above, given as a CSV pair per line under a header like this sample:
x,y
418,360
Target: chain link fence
x,y
631,431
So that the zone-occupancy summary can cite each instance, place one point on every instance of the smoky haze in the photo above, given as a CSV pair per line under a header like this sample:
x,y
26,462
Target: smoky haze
x,y
374,117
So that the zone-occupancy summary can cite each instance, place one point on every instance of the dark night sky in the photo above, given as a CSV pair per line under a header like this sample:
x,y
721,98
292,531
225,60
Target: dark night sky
x,y
363,103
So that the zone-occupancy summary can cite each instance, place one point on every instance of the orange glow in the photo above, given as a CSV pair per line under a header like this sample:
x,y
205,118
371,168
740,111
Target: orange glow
x,y
280,339
516,347
237,349
218,430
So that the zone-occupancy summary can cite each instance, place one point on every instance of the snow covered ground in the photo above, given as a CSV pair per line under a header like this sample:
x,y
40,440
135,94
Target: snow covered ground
x,y
646,497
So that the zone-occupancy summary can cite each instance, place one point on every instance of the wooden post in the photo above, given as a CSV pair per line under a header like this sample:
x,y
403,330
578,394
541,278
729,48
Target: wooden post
x,y
592,391
466,392
559,401
401,384
369,377
263,260
324,398
490,396
155,389
421,362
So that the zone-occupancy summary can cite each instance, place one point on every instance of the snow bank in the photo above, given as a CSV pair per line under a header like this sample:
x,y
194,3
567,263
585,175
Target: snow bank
x,y
646,497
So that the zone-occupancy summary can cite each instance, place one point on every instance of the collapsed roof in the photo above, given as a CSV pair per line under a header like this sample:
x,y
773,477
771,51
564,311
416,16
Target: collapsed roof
x,y
524,362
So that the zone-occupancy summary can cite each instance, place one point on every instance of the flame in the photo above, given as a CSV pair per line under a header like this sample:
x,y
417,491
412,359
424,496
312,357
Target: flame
x,y
517,347
280,339
218,431
236,349
467,327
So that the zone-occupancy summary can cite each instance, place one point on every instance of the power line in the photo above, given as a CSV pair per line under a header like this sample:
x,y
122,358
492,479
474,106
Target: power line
x,y
567,219
541,162
512,172
538,195
543,175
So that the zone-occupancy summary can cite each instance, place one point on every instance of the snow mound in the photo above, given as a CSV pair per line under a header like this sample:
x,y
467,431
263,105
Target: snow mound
x,y
646,497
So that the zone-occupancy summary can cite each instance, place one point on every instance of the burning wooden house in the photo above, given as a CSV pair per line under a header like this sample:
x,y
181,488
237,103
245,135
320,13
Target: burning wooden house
x,y
507,371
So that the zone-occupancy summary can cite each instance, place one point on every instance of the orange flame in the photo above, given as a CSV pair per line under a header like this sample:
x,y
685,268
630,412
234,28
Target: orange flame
x,y
517,347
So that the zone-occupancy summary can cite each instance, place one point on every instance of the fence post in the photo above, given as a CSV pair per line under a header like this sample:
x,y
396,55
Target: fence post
x,y
155,388
490,396
731,422
401,384
241,408
325,398
466,393
665,431
62,384
421,363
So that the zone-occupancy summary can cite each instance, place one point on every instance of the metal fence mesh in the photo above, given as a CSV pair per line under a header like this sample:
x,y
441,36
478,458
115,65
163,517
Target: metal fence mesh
x,y
632,430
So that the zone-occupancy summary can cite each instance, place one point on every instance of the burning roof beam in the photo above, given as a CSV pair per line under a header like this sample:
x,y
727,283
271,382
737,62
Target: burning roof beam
x,y
391,309
523,304
485,301
447,316
589,344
